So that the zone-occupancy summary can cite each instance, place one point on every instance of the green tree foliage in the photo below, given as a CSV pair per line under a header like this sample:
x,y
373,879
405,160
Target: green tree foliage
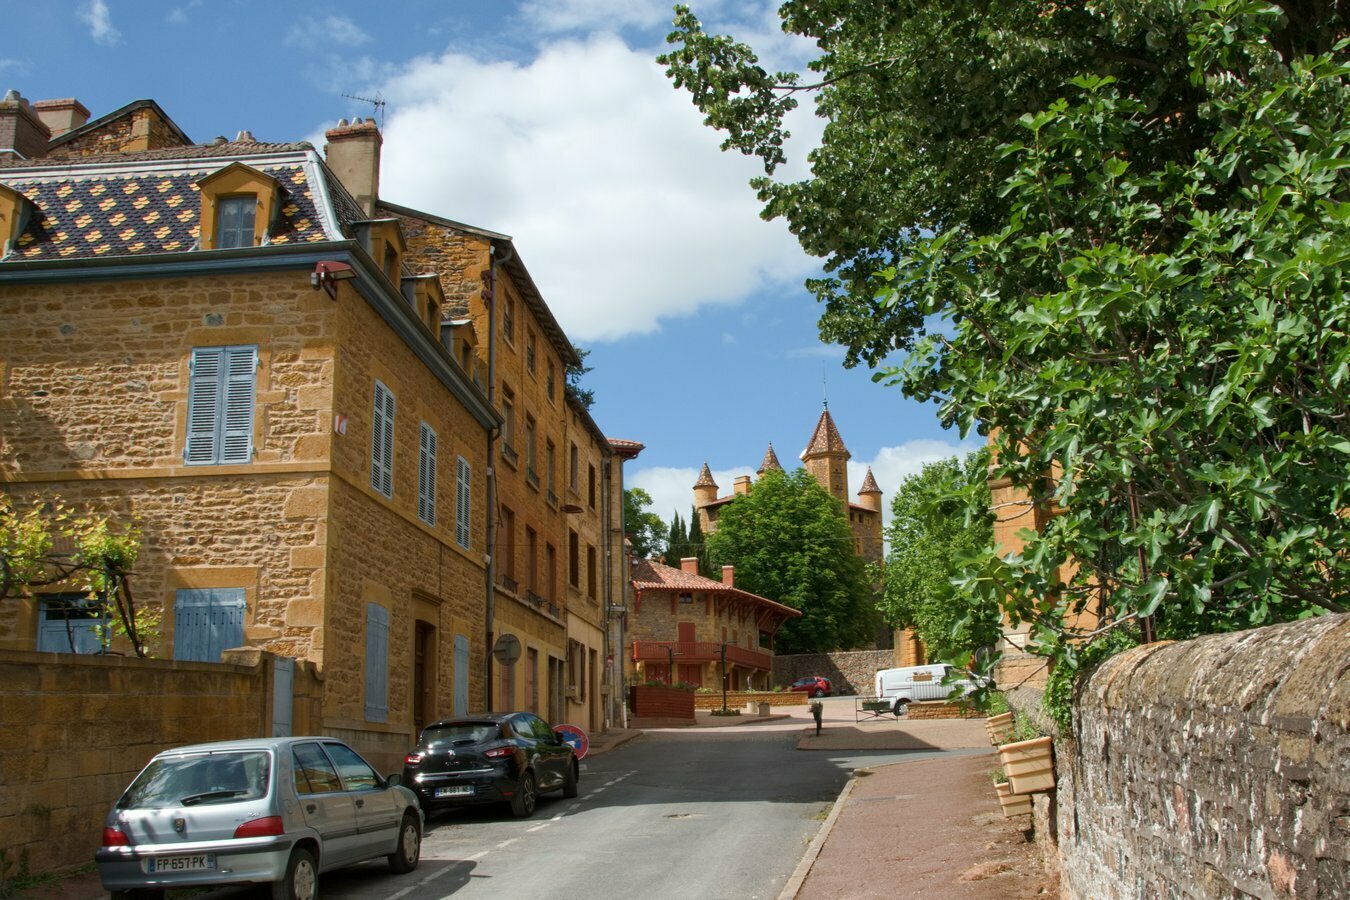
x,y
941,522
698,545
1131,220
790,542
49,544
584,396
677,541
644,528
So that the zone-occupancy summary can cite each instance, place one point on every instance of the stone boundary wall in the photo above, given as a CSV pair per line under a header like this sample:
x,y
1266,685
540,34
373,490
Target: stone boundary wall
x,y
738,699
77,729
1216,767
854,670
942,709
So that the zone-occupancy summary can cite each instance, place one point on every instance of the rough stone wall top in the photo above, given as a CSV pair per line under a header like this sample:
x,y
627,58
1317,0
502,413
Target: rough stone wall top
x,y
1213,767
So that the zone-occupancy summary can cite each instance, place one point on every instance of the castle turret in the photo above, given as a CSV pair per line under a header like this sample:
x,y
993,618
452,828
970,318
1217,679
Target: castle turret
x,y
770,462
705,489
869,495
826,458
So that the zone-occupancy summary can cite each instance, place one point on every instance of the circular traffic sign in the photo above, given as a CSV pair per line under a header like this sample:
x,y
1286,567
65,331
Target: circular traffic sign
x,y
507,649
575,738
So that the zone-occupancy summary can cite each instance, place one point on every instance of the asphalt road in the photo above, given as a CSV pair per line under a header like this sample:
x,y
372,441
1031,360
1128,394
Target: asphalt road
x,y
726,813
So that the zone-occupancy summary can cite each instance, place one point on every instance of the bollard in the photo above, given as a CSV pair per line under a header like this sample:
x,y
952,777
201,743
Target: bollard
x,y
818,710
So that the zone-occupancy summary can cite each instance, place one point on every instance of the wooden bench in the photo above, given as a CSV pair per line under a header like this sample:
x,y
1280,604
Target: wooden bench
x,y
868,709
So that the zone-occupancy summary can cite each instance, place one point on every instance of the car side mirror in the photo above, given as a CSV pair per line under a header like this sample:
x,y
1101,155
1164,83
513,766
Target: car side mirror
x,y
393,780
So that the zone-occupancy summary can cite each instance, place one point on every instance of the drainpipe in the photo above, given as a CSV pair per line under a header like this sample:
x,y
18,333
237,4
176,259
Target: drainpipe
x,y
618,692
491,537
607,532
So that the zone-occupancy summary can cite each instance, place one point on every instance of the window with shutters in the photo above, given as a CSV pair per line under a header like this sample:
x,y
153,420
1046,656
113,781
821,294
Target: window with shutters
x,y
222,386
234,221
463,478
382,441
573,559
71,623
207,621
377,663
426,475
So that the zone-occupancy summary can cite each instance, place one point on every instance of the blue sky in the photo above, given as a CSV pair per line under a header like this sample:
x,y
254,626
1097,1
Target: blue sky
x,y
550,121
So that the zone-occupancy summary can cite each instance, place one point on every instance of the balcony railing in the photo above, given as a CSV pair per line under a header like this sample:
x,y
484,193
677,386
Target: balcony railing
x,y
699,652
508,582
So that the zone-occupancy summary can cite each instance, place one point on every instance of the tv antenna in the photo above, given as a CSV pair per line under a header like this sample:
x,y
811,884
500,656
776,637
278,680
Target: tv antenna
x,y
377,101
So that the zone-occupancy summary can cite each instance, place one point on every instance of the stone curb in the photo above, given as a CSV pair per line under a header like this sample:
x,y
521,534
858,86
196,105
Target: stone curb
x,y
794,884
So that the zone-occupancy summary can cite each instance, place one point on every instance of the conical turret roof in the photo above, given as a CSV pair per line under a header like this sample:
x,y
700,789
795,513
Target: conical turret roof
x,y
869,485
705,478
770,461
826,440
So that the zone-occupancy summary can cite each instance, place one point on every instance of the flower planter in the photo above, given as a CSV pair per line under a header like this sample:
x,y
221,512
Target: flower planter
x,y
1029,765
1013,804
999,728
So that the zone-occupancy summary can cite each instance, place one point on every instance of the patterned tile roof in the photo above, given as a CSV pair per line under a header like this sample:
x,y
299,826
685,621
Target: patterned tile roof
x,y
100,206
705,478
826,439
869,485
770,461
654,576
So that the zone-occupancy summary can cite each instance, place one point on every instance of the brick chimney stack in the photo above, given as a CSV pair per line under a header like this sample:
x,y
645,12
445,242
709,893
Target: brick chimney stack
x,y
22,134
729,576
689,565
741,485
353,153
61,116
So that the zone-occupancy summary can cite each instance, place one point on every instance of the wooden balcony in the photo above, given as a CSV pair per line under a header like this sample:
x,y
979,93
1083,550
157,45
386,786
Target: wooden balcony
x,y
700,652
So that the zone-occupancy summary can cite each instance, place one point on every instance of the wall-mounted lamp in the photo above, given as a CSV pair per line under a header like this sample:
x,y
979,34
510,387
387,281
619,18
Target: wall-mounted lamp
x,y
326,275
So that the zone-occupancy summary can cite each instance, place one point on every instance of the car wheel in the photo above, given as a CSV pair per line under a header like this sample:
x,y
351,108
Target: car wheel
x,y
522,804
137,894
302,878
817,693
409,851
900,707
570,781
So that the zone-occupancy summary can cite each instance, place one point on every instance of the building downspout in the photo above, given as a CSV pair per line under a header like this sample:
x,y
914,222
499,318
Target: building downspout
x,y
618,692
491,536
608,539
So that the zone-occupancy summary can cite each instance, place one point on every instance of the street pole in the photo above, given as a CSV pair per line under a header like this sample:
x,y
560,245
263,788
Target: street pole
x,y
670,665
724,678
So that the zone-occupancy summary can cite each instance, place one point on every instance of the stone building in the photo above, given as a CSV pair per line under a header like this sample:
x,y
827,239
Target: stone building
x,y
238,346
681,625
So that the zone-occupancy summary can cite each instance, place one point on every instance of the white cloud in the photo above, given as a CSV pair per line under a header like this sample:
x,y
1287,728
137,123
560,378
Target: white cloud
x,y
95,14
179,14
672,489
892,465
314,32
619,199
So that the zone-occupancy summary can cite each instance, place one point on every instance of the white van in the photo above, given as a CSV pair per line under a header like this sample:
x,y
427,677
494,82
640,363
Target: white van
x,y
902,686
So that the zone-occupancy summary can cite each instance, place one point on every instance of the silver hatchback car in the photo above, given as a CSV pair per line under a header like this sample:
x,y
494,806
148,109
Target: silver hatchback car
x,y
273,810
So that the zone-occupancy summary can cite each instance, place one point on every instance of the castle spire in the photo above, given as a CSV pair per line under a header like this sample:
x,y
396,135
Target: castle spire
x,y
770,461
826,458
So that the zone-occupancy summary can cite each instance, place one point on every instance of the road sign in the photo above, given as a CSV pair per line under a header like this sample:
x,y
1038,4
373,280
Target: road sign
x,y
574,737
507,649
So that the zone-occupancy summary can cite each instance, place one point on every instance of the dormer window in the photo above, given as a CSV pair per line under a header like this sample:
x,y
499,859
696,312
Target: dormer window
x,y
234,221
239,204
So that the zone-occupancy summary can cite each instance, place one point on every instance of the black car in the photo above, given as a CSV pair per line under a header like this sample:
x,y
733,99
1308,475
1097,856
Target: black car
x,y
490,758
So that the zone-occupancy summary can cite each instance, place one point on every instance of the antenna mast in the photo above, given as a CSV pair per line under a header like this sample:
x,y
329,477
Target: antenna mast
x,y
377,101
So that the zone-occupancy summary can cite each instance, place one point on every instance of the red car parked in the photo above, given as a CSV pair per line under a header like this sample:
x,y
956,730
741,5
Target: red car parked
x,y
813,685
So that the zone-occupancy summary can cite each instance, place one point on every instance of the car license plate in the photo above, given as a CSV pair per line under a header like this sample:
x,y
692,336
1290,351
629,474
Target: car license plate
x,y
195,863
456,791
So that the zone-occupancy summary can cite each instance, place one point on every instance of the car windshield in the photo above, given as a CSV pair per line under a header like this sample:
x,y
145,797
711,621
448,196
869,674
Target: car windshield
x,y
460,733
190,780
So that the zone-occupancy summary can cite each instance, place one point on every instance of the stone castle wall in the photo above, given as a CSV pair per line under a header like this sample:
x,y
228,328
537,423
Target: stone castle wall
x,y
852,672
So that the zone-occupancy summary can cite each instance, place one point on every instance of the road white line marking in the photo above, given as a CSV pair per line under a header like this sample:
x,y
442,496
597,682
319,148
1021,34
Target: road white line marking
x,y
477,856
504,844
539,826
574,806
427,880
560,815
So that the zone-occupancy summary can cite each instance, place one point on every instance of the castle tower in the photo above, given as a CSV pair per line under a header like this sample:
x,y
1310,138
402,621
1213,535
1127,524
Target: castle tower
x,y
705,489
869,495
770,461
826,458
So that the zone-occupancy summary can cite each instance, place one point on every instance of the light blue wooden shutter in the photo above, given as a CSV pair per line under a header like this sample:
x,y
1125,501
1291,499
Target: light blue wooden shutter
x,y
208,621
382,442
221,393
66,618
426,476
461,675
462,480
377,663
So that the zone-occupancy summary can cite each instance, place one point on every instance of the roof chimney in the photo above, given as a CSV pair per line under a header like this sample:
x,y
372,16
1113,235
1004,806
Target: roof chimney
x,y
689,565
353,153
741,485
22,134
61,116
729,576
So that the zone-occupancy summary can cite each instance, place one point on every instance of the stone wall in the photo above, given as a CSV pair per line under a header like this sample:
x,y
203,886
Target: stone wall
x,y
738,699
853,672
1212,768
92,722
